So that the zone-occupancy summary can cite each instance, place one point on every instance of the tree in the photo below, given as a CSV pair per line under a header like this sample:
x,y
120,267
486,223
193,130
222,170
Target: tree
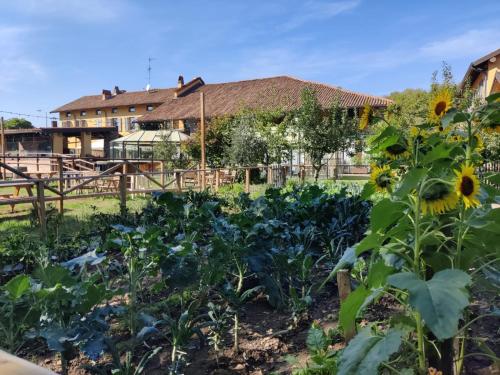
x,y
168,151
323,132
409,107
17,123
247,147
217,141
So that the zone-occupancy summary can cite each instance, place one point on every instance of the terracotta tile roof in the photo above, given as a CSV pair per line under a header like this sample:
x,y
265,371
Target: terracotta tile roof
x,y
226,98
154,96
267,93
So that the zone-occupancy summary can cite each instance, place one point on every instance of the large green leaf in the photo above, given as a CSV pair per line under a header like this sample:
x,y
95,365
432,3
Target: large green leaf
x,y
347,260
349,308
371,241
385,213
316,339
367,351
410,181
440,300
17,286
378,274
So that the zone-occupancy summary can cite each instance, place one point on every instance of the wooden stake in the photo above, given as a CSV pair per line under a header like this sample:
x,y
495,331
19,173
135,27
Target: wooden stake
x,y
344,285
217,179
123,193
247,180
202,140
60,184
42,216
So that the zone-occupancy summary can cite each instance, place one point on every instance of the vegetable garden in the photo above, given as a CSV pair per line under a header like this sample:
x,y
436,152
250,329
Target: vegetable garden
x,y
196,283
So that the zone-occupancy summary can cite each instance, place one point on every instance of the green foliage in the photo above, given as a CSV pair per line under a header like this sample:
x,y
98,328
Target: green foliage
x,y
409,108
430,228
367,351
321,132
17,123
439,300
247,147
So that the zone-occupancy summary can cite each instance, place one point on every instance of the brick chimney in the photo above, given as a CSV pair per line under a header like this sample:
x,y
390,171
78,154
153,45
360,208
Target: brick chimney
x,y
180,82
106,94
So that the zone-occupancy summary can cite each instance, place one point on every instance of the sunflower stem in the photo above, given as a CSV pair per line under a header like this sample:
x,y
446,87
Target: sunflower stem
x,y
416,268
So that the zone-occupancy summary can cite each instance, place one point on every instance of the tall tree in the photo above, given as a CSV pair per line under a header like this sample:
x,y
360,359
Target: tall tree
x,y
322,132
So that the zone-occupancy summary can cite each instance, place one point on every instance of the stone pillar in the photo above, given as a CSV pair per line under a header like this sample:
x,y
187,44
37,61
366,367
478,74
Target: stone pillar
x,y
57,143
86,144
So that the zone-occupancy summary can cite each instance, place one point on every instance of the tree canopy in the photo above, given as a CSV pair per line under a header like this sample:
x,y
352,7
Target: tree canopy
x,y
322,132
17,123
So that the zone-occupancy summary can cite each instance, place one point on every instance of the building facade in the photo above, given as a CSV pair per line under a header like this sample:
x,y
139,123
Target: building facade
x,y
483,75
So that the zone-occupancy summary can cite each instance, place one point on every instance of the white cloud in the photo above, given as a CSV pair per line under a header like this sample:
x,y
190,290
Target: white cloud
x,y
471,43
313,10
87,11
15,63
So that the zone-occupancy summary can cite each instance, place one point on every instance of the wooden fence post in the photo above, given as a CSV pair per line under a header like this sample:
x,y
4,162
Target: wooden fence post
x,y
60,184
42,216
217,179
283,174
162,177
344,285
269,175
247,180
123,193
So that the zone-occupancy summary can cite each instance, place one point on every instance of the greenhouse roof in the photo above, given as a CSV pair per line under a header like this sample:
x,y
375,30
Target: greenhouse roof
x,y
147,136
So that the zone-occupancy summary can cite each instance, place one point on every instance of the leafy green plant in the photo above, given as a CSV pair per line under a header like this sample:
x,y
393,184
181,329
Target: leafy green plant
x,y
18,312
425,235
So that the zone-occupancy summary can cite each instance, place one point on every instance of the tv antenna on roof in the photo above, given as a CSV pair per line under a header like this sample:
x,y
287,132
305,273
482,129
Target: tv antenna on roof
x,y
149,70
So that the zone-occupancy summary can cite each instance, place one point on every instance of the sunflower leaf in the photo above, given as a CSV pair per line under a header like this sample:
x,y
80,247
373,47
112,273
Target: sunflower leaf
x,y
440,300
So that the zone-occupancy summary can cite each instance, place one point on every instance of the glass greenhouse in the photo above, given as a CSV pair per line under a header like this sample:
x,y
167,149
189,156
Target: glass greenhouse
x,y
140,144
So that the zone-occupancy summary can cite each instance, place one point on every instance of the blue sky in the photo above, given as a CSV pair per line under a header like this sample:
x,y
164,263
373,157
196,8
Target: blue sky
x,y
53,51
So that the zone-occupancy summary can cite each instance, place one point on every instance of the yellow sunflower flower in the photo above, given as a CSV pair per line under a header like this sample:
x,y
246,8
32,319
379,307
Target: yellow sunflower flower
x,y
381,178
439,199
440,103
433,371
366,117
467,186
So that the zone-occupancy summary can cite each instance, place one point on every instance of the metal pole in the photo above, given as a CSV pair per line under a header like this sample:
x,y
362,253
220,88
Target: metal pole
x,y
202,139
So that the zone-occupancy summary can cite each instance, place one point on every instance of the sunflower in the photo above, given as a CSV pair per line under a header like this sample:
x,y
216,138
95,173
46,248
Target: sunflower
x,y
467,186
493,128
439,199
381,178
397,150
366,117
440,103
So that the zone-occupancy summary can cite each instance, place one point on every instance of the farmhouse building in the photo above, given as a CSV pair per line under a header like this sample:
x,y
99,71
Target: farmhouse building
x,y
483,75
179,107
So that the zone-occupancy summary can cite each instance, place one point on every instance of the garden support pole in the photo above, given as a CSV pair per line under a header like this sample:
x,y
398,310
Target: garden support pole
x,y
344,285
247,180
60,184
123,193
42,216
202,139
